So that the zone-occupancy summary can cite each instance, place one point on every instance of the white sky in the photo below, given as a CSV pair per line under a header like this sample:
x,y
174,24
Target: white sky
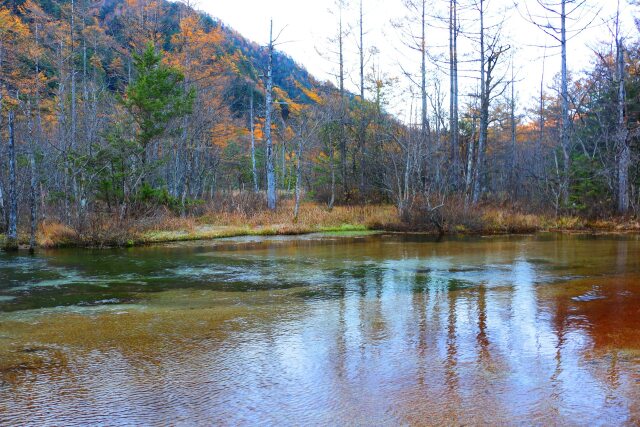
x,y
308,24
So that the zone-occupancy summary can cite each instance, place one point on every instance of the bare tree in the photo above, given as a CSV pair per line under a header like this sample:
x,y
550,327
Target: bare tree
x,y
512,114
335,53
254,172
562,11
624,156
307,124
12,232
418,42
271,173
341,79
362,125
454,30
491,52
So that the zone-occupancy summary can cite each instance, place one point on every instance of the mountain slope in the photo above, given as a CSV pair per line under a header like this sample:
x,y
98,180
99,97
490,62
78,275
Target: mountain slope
x,y
120,20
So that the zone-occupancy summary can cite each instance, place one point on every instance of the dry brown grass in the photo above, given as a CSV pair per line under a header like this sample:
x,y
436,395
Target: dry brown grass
x,y
172,223
455,216
241,216
497,220
311,216
236,219
54,234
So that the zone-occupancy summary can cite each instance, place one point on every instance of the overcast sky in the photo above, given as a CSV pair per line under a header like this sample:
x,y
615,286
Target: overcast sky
x,y
308,24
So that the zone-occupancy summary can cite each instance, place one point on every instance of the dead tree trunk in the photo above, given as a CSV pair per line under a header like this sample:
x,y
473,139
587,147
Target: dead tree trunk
x,y
298,189
484,113
343,136
271,173
362,125
566,169
512,107
453,92
12,233
254,171
624,158
33,202
332,198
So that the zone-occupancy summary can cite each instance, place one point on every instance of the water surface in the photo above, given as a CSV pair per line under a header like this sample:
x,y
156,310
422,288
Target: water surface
x,y
384,330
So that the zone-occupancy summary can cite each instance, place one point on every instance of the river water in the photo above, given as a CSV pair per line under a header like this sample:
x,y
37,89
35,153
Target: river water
x,y
322,330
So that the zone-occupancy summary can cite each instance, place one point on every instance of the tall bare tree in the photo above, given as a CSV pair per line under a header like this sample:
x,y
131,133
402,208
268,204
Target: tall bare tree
x,y
454,30
415,37
555,19
252,131
12,232
624,156
271,172
491,86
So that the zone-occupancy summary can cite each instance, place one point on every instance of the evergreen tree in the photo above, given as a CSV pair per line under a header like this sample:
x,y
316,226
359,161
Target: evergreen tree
x,y
155,98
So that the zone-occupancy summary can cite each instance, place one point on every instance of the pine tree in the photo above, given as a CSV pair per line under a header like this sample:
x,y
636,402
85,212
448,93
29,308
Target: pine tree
x,y
155,98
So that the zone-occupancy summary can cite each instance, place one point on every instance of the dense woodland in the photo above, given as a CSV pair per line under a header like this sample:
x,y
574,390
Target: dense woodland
x,y
114,109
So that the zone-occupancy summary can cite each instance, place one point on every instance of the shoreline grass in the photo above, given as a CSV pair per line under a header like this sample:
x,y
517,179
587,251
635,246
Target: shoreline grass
x,y
314,218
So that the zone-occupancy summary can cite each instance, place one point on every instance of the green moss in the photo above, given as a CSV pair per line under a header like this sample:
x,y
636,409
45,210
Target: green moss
x,y
351,233
209,233
344,228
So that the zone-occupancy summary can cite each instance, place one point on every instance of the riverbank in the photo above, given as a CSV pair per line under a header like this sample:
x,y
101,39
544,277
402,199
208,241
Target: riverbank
x,y
313,218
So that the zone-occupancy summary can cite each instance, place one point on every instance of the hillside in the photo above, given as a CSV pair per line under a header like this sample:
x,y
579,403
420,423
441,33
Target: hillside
x,y
116,20
134,105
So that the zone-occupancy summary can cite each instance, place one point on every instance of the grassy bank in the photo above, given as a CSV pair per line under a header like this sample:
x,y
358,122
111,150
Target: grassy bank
x,y
314,218
166,227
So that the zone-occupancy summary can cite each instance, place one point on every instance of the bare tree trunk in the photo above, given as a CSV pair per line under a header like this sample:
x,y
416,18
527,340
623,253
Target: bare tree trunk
x,y
63,130
72,68
186,190
283,157
3,212
513,178
362,128
254,171
541,124
361,51
12,233
425,136
186,143
33,196
343,139
407,177
423,73
332,199
453,94
470,156
484,113
74,114
565,107
624,158
271,173
296,209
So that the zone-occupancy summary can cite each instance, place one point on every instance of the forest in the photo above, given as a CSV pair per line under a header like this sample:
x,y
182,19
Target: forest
x,y
126,121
